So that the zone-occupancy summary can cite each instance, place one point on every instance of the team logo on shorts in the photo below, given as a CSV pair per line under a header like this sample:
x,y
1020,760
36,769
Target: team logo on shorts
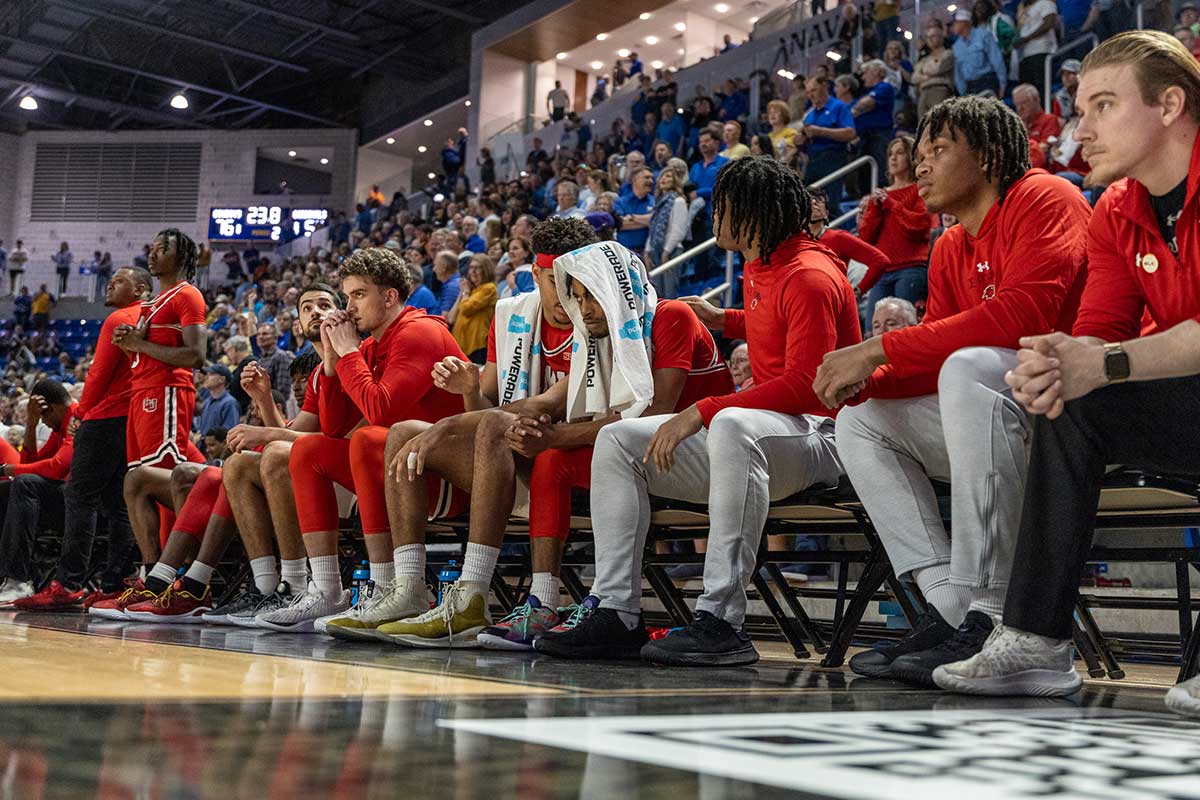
x,y
149,404
989,292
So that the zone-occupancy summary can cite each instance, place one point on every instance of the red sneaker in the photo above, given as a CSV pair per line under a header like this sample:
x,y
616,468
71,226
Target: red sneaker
x,y
54,597
173,605
115,608
91,598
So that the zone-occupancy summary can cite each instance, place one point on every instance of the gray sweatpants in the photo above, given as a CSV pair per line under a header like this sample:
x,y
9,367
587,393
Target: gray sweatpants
x,y
744,460
971,433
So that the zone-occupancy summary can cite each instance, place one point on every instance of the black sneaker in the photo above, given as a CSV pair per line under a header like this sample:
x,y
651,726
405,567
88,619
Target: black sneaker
x,y
593,633
967,641
242,603
930,631
708,642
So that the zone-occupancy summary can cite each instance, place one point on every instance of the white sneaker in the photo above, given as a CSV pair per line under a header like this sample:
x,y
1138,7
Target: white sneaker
x,y
403,598
1184,698
304,610
12,589
1014,662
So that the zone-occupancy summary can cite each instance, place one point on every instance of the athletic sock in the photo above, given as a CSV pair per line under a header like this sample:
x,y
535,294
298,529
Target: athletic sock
x,y
197,578
950,600
989,601
266,576
545,588
629,619
294,572
480,563
382,573
161,576
409,561
326,575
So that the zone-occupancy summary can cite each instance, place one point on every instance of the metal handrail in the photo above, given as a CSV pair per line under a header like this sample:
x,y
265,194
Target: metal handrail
x,y
1047,99
854,165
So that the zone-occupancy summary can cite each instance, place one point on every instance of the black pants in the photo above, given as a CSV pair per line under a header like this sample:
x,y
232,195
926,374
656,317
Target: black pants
x,y
34,503
1149,425
97,477
988,82
1032,69
63,274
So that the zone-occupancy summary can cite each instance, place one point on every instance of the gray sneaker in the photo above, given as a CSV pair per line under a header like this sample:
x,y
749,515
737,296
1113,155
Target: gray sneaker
x,y
1185,697
1014,662
281,597
242,602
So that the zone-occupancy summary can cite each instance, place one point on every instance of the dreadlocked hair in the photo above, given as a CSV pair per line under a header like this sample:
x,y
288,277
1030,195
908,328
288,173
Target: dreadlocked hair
x,y
186,254
992,130
560,235
759,199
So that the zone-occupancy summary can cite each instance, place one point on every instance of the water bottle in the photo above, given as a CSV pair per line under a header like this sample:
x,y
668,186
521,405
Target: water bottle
x,y
362,576
449,574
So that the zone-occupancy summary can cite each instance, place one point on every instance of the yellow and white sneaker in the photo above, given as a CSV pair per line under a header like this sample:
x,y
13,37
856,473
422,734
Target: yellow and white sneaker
x,y
403,598
455,622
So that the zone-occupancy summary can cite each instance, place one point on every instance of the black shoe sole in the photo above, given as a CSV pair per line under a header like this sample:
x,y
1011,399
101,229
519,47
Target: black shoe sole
x,y
673,658
599,653
914,675
872,670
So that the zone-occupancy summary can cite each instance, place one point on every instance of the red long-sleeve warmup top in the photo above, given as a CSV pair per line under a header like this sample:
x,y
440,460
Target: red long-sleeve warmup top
x,y
106,390
53,461
847,246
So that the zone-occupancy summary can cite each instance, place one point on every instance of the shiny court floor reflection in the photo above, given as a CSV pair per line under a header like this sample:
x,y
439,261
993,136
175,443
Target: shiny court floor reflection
x,y
396,723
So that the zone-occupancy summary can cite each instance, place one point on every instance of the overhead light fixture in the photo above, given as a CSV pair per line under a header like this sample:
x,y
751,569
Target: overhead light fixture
x,y
600,37
422,148
656,65
28,103
833,55
784,73
753,20
428,123
390,140
952,8
524,174
597,65
468,104
645,15
291,153
324,160
432,175
560,56
721,8
179,101
623,53
651,40
908,35
681,26
439,197
672,68
681,51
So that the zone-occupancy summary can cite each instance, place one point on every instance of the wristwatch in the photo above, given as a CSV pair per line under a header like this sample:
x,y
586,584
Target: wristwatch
x,y
1116,363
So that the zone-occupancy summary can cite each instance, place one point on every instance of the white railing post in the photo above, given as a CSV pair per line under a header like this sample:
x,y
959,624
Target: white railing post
x,y
1047,99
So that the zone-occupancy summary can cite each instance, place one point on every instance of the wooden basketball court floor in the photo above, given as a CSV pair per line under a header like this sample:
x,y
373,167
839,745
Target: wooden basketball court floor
x,y
102,709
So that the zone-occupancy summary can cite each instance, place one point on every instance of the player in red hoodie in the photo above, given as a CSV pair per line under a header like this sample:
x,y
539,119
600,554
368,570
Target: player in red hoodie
x,y
367,385
938,405
738,451
1103,395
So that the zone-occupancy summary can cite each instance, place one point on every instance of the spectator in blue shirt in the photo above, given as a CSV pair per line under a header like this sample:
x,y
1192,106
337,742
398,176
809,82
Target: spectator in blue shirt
x,y
873,114
704,172
362,219
671,128
471,239
445,267
635,66
729,45
635,209
978,63
735,103
633,162
421,297
221,410
829,126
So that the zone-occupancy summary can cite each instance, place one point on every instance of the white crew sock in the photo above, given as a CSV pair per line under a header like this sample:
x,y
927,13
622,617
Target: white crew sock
x,y
200,573
164,572
545,588
989,601
294,572
950,600
480,563
326,575
409,560
266,576
382,573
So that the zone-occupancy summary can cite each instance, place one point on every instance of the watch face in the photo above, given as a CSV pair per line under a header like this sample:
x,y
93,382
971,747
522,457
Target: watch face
x,y
1116,365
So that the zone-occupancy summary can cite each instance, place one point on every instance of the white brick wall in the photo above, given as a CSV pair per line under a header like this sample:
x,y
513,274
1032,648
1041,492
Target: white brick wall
x,y
226,179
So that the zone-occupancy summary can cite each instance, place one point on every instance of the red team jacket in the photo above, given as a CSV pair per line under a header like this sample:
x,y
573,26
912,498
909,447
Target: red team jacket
x,y
900,229
53,461
106,390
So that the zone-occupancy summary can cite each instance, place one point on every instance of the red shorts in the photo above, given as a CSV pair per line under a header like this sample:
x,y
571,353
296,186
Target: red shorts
x,y
555,474
156,432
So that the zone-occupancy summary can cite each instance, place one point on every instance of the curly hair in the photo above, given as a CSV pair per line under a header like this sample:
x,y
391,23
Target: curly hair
x,y
993,131
381,266
186,254
556,236
761,199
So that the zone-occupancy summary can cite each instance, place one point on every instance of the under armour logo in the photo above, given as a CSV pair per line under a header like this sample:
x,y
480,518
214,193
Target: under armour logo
x,y
983,266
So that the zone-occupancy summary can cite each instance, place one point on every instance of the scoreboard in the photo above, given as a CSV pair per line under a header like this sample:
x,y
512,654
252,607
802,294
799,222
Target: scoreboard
x,y
264,223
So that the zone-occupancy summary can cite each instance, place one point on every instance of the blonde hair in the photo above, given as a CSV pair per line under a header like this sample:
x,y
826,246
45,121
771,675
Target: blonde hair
x,y
1159,61
782,108
486,267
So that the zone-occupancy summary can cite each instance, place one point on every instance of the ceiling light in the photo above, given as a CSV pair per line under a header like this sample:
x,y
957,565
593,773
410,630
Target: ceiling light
x,y
597,65
468,104
833,55
524,174
645,15
623,53
390,140
681,26
656,65
432,175
439,197
721,8
651,40
681,51
179,101
422,148
291,153
753,20
28,103
908,35
560,56
783,73
672,68
324,160
952,8
600,37
428,123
